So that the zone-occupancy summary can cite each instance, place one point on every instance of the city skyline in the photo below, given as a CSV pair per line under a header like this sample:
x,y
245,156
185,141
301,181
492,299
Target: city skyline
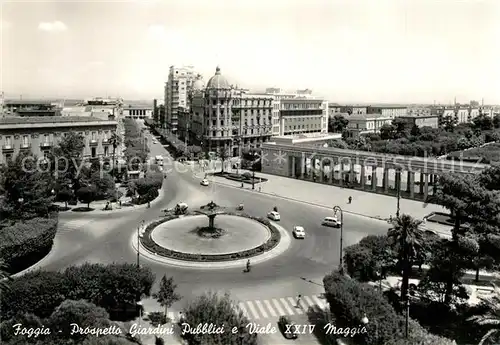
x,y
357,51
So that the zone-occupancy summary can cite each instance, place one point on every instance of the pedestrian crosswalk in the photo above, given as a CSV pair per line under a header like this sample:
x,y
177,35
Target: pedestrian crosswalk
x,y
75,224
275,307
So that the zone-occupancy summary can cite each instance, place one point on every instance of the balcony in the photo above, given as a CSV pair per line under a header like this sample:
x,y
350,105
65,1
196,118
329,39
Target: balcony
x,y
106,141
46,144
25,146
8,148
93,142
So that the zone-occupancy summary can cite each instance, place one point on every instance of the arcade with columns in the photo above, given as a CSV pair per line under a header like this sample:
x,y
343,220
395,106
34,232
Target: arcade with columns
x,y
375,172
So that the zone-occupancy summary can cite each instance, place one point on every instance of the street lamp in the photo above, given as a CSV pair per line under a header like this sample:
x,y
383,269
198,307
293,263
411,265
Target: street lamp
x,y
141,225
242,335
365,321
338,209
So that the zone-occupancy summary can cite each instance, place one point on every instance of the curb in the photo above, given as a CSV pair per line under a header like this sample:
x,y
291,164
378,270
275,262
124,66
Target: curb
x,y
282,246
296,200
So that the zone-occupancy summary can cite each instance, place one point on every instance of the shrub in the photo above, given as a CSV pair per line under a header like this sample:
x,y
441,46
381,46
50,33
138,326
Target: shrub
x,y
26,242
157,318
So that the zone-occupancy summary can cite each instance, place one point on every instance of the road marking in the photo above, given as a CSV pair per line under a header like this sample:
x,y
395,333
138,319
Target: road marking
x,y
294,303
309,301
243,309
319,302
261,308
285,304
277,305
253,310
270,308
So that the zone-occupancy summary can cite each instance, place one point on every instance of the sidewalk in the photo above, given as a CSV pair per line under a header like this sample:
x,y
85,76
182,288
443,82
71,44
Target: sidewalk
x,y
363,203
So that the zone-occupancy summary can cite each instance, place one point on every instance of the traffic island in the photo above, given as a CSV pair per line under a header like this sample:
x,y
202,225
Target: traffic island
x,y
228,240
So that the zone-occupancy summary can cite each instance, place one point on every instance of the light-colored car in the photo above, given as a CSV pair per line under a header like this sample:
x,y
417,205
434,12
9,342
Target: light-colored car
x,y
299,232
331,221
273,215
155,141
204,182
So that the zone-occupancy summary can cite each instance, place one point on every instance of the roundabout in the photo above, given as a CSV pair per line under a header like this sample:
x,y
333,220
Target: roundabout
x,y
238,234
211,238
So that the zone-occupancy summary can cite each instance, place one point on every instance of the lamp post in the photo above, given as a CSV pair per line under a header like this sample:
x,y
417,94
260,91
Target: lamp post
x,y
398,186
253,169
242,335
141,225
365,321
338,209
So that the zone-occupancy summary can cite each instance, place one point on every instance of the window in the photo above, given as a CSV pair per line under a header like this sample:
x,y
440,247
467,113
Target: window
x,y
8,141
106,149
8,157
213,133
93,136
93,152
222,122
25,140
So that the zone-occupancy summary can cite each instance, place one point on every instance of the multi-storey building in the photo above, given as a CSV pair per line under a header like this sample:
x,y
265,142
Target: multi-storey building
x,y
462,114
185,116
227,118
40,134
487,111
388,111
367,123
298,113
138,112
180,80
334,109
421,120
353,109
30,108
418,111
473,113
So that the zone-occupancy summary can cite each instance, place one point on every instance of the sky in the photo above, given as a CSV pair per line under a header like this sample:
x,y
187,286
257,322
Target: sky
x,y
395,51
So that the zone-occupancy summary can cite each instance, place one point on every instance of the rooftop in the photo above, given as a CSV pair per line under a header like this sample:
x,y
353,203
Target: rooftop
x,y
25,102
368,116
47,119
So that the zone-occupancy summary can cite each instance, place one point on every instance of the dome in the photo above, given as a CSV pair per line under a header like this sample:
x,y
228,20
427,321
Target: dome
x,y
198,84
218,81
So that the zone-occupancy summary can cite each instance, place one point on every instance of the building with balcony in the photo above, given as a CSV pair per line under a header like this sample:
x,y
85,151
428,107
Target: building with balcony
x,y
180,81
40,134
392,111
421,120
366,123
227,118
353,109
186,116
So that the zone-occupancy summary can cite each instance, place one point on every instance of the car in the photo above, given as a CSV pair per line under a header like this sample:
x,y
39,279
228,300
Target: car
x,y
299,232
331,221
204,182
273,215
286,326
155,141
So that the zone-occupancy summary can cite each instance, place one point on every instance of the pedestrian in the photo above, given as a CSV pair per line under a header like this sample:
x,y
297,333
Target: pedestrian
x,y
241,184
298,301
149,204
350,199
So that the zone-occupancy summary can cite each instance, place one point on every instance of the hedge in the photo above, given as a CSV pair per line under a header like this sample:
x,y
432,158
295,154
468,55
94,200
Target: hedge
x,y
152,246
27,242
351,300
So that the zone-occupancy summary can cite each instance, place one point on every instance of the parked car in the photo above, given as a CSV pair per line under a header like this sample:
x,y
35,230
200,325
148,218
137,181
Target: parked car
x,y
286,326
299,232
273,215
331,221
204,182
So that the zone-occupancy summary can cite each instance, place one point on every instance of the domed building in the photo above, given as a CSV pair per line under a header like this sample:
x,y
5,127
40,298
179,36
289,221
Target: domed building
x,y
226,119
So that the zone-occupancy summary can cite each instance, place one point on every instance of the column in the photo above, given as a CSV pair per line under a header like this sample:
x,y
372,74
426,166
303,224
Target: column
x,y
374,178
352,175
431,178
321,170
302,165
293,166
341,171
426,187
313,168
421,185
362,176
332,170
411,184
434,186
386,180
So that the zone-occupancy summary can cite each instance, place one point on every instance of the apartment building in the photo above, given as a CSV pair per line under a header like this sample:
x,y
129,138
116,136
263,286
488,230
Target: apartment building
x,y
40,134
418,111
388,111
180,80
367,123
421,120
185,120
227,118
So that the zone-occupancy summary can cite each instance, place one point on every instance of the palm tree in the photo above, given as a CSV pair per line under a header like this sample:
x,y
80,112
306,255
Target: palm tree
x,y
491,317
115,140
4,277
406,240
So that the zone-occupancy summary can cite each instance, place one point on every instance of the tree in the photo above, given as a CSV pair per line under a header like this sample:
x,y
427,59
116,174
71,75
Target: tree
x,y
496,121
400,127
4,277
491,317
81,312
415,130
104,184
223,154
166,295
370,259
483,122
449,122
387,132
406,240
65,194
68,154
337,123
27,188
87,194
218,310
337,143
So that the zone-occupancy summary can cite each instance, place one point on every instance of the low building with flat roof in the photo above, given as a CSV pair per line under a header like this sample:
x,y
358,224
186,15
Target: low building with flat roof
x,y
421,120
367,123
40,134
